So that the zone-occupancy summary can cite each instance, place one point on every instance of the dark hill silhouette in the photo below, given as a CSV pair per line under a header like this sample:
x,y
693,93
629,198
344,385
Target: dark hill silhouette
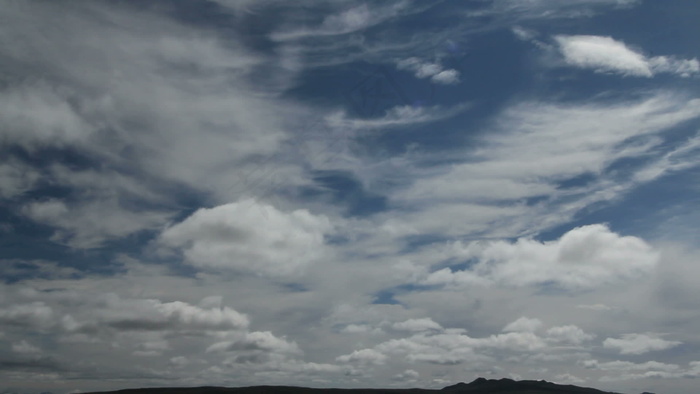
x,y
478,386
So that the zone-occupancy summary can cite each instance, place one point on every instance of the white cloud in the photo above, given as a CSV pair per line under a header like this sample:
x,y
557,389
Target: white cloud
x,y
346,21
258,341
38,116
523,33
682,67
249,236
33,316
152,314
407,375
568,335
604,54
417,325
364,357
89,225
446,77
424,69
639,343
361,329
452,347
399,116
523,324
527,153
151,348
584,258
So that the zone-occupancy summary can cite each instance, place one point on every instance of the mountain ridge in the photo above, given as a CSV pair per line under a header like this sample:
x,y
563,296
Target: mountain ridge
x,y
477,386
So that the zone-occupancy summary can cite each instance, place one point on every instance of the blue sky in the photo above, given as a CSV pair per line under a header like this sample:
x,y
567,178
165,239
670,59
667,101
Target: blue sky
x,y
349,193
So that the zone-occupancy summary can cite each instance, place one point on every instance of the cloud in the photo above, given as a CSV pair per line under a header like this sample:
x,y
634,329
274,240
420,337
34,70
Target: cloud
x,y
38,116
255,343
24,347
630,366
604,54
33,316
424,69
361,329
91,224
523,324
151,314
624,370
529,150
16,178
364,357
151,348
122,122
584,258
454,346
398,116
568,335
417,325
639,343
349,20
407,375
249,236
16,269
515,10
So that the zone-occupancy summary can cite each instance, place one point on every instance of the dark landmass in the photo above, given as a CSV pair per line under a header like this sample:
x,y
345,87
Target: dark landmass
x,y
478,386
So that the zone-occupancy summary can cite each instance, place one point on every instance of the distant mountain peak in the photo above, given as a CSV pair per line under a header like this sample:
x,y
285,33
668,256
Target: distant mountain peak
x,y
505,385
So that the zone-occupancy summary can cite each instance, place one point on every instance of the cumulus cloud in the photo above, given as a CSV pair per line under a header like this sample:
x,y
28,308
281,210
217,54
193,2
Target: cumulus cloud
x,y
407,375
424,69
153,314
257,342
249,236
604,54
639,343
417,325
568,335
454,346
364,357
582,259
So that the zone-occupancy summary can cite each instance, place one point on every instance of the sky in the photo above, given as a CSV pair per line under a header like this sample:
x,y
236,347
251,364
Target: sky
x,y
349,193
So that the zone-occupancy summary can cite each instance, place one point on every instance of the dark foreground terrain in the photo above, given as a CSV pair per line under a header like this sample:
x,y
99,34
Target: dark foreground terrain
x,y
479,386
